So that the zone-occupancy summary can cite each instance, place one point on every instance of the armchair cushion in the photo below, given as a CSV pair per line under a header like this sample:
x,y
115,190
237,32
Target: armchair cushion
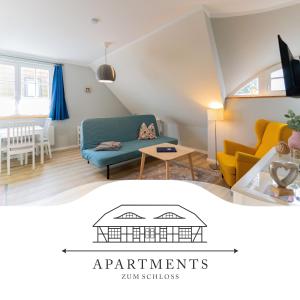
x,y
228,167
272,135
231,148
227,161
244,162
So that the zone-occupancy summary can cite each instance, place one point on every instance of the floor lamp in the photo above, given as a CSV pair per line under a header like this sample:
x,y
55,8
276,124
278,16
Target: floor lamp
x,y
215,115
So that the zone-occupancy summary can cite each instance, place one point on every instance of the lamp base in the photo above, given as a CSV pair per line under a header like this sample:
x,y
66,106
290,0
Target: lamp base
x,y
214,167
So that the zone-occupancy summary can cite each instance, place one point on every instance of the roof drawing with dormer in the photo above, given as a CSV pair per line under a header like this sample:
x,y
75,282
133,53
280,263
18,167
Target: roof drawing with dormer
x,y
149,215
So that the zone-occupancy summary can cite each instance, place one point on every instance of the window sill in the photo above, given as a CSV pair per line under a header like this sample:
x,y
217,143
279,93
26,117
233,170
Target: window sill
x,y
16,117
255,97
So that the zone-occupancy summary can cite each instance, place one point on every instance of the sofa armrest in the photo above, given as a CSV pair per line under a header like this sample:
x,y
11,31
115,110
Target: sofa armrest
x,y
231,148
244,162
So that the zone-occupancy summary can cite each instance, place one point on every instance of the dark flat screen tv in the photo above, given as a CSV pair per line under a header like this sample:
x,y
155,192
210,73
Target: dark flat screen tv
x,y
291,70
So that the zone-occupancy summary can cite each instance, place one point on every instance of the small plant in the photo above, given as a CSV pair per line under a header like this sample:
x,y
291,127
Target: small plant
x,y
293,120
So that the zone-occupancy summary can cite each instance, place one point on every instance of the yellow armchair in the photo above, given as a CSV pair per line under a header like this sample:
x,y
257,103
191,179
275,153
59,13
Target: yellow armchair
x,y
238,159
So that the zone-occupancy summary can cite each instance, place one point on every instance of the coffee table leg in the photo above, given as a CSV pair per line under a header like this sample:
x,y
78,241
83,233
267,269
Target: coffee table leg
x,y
191,166
142,165
167,170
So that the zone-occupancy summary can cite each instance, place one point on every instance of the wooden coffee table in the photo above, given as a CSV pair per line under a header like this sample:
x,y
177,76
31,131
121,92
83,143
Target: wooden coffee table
x,y
166,156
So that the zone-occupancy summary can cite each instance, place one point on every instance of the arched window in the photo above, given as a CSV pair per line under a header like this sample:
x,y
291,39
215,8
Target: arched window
x,y
250,89
129,215
269,82
169,215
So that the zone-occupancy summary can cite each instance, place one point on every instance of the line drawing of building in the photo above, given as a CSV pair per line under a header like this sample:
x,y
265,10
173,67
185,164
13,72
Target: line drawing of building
x,y
150,224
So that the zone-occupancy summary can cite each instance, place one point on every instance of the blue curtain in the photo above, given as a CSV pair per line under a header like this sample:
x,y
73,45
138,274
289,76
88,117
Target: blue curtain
x,y
59,110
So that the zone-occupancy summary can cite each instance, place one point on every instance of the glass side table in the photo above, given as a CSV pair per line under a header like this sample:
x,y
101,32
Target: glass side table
x,y
254,188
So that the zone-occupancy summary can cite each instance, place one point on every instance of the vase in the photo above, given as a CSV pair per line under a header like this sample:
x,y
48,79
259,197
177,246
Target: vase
x,y
294,140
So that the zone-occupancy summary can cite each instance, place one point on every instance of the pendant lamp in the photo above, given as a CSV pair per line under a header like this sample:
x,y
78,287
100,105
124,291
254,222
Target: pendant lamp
x,y
106,73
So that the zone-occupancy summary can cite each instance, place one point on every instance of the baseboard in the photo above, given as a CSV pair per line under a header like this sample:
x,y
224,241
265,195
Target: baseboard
x,y
211,160
64,148
201,151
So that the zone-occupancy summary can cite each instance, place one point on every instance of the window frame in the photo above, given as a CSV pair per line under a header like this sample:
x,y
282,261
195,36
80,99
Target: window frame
x,y
114,233
256,78
10,63
18,64
185,233
136,233
264,84
271,70
163,232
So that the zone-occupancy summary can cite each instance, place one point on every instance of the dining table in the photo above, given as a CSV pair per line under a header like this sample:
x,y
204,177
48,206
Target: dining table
x,y
39,131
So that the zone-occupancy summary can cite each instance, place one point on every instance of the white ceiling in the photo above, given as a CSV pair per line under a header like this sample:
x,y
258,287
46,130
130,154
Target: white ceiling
x,y
62,30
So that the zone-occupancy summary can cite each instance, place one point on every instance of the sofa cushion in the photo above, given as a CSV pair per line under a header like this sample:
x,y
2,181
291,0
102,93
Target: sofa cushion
x,y
129,150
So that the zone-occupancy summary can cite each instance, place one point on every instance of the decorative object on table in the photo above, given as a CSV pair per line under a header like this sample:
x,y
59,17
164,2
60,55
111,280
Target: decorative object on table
x,y
295,157
108,146
290,177
147,133
296,154
165,149
294,124
215,115
283,148
106,73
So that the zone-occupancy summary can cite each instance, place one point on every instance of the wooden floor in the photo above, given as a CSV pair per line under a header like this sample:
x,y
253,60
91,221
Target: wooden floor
x,y
65,171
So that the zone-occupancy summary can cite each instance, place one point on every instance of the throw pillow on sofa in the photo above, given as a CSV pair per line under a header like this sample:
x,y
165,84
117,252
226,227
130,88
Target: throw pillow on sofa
x,y
108,146
147,133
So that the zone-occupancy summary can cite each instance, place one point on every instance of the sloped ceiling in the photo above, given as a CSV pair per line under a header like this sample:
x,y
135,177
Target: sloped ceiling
x,y
173,75
244,53
62,29
163,50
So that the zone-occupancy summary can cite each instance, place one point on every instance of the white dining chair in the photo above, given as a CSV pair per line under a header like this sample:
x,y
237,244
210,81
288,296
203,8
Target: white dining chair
x,y
46,139
20,141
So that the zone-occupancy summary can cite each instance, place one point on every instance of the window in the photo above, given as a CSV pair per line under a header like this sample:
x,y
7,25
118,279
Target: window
x,y
136,232
149,232
25,88
277,81
7,89
163,232
114,233
129,215
185,233
250,89
269,82
169,215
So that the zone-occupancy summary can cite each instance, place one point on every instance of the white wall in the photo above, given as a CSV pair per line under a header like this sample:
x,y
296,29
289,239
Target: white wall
x,y
241,115
247,45
99,103
172,74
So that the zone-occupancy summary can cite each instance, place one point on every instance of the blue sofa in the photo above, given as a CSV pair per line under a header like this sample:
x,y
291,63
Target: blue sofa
x,y
121,129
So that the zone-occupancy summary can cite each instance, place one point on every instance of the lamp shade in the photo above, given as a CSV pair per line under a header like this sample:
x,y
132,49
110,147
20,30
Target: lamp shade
x,y
106,73
215,114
